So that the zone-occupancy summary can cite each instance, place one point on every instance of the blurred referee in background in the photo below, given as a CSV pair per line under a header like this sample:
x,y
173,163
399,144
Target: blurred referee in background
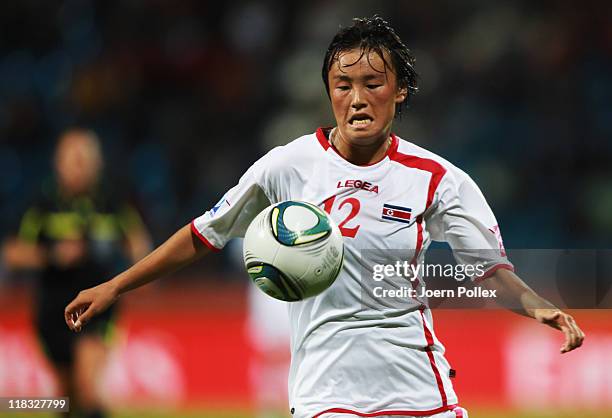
x,y
74,234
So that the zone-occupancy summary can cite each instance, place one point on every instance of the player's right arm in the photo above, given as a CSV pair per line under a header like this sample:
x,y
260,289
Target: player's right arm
x,y
179,250
24,251
229,218
18,254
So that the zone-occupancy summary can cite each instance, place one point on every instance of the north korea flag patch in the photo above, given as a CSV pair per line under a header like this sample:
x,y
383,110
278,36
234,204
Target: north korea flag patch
x,y
396,213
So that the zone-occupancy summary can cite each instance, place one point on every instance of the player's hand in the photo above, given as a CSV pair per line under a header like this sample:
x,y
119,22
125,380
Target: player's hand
x,y
563,322
89,303
69,252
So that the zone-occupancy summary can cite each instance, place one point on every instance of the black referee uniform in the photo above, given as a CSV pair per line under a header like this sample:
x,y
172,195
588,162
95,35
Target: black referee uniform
x,y
102,225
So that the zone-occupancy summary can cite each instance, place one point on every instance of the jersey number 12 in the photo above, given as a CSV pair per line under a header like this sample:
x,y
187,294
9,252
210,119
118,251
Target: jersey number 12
x,y
355,205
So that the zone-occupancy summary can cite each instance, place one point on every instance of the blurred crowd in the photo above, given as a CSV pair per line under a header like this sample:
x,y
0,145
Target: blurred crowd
x,y
186,95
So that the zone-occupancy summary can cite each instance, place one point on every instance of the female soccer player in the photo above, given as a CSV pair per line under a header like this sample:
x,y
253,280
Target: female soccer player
x,y
351,358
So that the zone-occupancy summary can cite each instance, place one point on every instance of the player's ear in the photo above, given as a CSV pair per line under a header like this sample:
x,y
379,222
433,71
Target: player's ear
x,y
401,95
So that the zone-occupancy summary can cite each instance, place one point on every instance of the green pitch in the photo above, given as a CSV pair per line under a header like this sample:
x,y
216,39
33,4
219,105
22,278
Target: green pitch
x,y
473,414
242,414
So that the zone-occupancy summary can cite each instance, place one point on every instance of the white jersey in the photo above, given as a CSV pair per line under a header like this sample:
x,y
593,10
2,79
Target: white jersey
x,y
347,355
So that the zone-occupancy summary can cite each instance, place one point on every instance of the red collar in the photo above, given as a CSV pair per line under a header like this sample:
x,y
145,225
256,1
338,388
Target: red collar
x,y
322,136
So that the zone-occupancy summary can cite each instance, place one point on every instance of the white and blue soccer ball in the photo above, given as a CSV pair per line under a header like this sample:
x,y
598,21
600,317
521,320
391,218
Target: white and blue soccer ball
x,y
293,250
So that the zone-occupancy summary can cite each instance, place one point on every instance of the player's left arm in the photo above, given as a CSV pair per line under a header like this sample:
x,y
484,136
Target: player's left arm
x,y
513,293
463,218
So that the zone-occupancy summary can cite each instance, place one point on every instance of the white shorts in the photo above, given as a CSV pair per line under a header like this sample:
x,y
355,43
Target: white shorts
x,y
458,412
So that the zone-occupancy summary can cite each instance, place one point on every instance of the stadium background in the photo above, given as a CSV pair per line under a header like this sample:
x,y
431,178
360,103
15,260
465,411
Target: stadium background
x,y
186,95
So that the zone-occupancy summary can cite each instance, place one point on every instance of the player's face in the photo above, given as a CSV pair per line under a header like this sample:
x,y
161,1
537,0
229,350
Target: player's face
x,y
77,162
364,93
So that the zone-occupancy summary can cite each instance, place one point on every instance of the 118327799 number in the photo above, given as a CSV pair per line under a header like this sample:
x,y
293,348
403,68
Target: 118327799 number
x,y
55,404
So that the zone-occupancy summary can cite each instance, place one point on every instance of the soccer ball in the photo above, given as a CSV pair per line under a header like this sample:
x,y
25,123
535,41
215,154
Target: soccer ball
x,y
293,250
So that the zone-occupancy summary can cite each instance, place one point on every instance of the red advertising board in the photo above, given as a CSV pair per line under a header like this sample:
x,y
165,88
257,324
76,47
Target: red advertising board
x,y
190,347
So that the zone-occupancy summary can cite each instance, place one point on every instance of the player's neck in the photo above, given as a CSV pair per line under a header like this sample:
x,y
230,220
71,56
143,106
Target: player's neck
x,y
359,154
70,192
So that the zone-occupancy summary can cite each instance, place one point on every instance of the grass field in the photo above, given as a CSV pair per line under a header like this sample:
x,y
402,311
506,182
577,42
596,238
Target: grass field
x,y
243,414
473,414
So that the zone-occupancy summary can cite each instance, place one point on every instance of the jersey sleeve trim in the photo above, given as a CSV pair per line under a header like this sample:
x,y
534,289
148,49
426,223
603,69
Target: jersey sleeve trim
x,y
202,238
31,225
492,271
425,164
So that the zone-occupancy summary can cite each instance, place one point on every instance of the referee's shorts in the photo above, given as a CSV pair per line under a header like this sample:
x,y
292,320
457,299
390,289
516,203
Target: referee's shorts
x,y
58,342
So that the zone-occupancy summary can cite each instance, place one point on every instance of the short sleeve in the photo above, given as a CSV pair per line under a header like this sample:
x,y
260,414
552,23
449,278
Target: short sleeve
x,y
231,216
462,217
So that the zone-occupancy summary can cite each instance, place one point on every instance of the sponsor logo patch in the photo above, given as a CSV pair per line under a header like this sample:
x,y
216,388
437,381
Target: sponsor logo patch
x,y
220,203
358,184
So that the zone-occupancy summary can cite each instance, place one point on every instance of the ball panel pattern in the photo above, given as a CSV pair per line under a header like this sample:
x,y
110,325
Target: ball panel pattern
x,y
271,281
288,237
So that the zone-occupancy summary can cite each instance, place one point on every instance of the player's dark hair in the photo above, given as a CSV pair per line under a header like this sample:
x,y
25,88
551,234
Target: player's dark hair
x,y
374,34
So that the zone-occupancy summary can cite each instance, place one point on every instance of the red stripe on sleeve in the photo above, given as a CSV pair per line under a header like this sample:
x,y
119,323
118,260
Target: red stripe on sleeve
x,y
202,238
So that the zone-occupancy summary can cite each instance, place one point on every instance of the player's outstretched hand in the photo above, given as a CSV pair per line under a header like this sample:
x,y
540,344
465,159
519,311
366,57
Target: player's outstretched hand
x,y
89,303
563,322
